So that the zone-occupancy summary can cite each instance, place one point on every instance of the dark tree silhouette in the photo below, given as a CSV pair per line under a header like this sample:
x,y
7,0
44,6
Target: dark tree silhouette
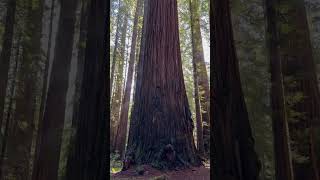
x,y
283,163
88,160
233,144
6,52
50,132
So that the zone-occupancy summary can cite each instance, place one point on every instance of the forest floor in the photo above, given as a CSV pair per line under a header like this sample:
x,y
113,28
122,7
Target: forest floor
x,y
196,173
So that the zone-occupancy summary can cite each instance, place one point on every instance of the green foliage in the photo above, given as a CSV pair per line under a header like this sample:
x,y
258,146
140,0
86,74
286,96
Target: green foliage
x,y
115,163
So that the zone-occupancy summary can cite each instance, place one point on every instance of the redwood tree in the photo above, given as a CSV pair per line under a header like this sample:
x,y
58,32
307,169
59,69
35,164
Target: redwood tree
x,y
161,117
282,152
201,71
234,155
301,79
88,160
21,131
50,132
6,52
121,135
117,93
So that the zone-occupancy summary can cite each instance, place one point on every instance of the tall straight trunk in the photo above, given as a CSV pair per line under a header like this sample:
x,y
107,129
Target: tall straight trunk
x,y
203,82
116,44
233,144
47,62
161,120
88,160
9,112
50,133
44,79
200,143
81,60
79,77
283,163
120,140
21,132
6,53
298,64
197,58
117,93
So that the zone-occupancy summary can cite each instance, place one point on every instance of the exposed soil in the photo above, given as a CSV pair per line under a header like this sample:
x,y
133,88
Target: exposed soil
x,y
196,173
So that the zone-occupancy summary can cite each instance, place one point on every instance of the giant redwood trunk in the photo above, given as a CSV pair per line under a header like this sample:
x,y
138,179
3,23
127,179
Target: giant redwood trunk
x,y
6,53
298,65
283,163
161,120
233,144
203,82
88,159
50,133
120,140
21,131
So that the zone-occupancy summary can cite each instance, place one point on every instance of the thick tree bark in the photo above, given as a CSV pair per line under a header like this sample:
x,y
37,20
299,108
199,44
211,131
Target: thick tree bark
x,y
117,93
298,64
283,163
50,133
161,118
233,144
116,43
6,53
203,82
120,140
88,160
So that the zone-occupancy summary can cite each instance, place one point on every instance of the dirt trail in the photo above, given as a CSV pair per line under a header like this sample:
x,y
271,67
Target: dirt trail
x,y
196,173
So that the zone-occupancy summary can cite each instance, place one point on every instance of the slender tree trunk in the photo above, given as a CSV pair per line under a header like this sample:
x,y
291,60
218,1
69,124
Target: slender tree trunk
x,y
197,52
233,144
80,72
120,139
88,161
6,53
200,143
50,133
161,119
21,134
9,112
298,65
46,68
116,100
203,82
283,163
116,42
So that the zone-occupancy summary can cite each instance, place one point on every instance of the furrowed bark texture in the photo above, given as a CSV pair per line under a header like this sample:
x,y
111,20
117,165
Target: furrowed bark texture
x,y
89,156
298,64
161,114
203,82
283,163
120,140
234,154
50,133
6,53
